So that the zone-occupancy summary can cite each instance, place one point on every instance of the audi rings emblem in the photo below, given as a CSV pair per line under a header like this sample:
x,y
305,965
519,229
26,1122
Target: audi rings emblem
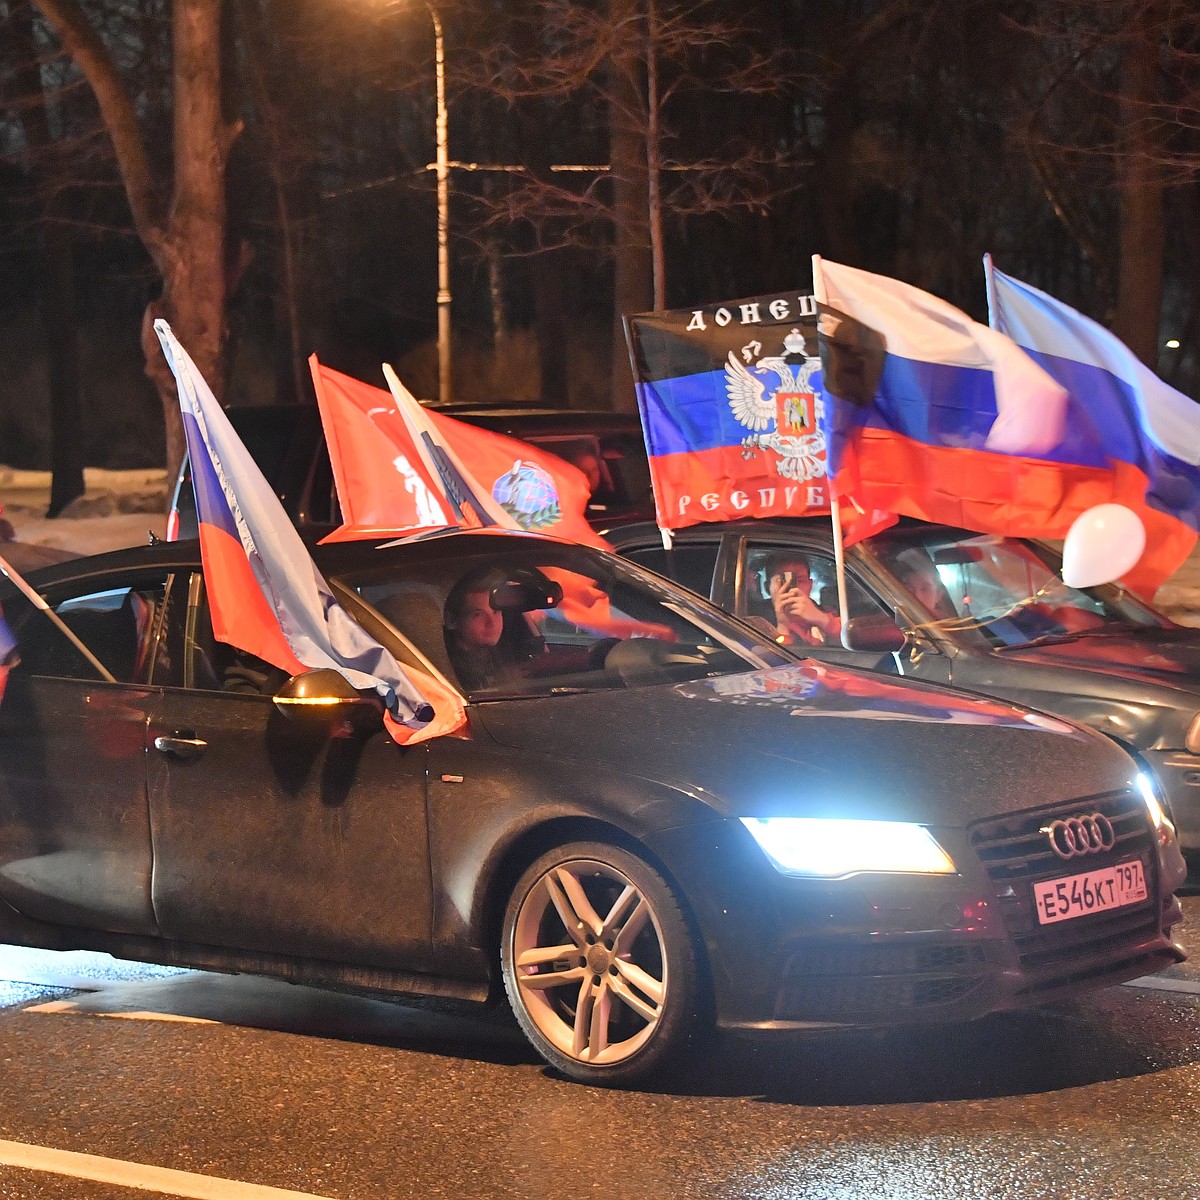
x,y
1077,836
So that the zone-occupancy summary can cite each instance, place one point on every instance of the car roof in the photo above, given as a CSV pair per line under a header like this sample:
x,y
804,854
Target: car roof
x,y
761,527
553,420
432,547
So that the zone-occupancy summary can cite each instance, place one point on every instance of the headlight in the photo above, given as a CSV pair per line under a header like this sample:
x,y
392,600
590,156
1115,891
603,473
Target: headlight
x,y
1192,741
1149,790
830,849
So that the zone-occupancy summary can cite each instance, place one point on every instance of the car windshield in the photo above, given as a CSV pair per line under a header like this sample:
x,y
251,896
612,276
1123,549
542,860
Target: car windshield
x,y
1003,591
545,618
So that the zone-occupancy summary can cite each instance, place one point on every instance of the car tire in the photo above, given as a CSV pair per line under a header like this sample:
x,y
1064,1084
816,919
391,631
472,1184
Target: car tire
x,y
609,930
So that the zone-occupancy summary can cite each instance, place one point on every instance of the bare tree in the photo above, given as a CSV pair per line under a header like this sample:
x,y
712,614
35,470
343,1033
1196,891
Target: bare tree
x,y
180,213
647,64
56,268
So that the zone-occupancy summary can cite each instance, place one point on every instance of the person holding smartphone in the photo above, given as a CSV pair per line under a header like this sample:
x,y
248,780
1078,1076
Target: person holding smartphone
x,y
799,620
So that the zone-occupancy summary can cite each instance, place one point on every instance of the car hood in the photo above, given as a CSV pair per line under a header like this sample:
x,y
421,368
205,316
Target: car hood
x,y
820,740
1167,656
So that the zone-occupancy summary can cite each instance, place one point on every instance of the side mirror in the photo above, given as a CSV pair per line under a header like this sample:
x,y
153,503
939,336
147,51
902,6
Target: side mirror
x,y
324,699
876,632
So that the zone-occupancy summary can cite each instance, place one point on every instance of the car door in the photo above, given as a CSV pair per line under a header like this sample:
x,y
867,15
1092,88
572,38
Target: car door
x,y
75,840
277,836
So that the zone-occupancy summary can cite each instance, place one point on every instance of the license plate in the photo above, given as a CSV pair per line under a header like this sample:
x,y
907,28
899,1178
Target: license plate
x,y
1095,891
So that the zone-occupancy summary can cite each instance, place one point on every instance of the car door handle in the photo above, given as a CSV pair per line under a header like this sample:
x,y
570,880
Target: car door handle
x,y
182,745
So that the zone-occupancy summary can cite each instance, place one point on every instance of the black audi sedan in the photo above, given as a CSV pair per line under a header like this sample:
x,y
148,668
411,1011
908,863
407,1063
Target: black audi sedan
x,y
984,613
656,820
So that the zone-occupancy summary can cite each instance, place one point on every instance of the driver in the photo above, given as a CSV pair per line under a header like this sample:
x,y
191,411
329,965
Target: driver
x,y
486,645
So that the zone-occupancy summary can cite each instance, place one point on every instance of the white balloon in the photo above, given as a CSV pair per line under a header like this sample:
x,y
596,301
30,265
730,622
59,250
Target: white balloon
x,y
1102,545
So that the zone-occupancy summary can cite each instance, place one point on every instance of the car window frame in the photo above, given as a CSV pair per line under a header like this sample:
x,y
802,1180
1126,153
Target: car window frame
x,y
140,579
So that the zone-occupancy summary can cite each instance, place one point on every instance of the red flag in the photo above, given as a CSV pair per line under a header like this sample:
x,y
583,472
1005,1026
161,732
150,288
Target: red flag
x,y
859,523
491,479
499,481
382,483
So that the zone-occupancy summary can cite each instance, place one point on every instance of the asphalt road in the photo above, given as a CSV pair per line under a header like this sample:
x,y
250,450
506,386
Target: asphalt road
x,y
241,1086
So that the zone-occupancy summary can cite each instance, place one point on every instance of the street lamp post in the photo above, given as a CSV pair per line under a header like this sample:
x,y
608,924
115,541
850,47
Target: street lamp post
x,y
442,168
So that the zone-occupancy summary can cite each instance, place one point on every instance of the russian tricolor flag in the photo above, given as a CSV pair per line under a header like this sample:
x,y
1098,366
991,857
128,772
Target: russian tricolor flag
x,y
1129,438
932,414
265,593
8,645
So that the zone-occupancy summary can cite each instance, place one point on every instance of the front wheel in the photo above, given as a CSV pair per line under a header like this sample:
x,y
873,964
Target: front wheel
x,y
600,967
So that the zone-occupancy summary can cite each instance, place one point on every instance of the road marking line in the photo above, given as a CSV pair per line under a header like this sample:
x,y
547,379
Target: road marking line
x,y
136,1175
72,1006
1155,983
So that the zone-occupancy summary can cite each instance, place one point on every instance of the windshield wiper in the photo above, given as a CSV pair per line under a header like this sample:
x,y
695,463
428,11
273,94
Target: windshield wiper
x,y
1046,639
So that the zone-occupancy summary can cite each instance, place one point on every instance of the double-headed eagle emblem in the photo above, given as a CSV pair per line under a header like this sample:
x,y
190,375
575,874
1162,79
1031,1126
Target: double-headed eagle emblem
x,y
784,419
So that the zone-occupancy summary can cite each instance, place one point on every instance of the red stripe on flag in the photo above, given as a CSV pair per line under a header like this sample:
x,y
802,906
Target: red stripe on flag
x,y
449,719
1007,495
724,485
241,615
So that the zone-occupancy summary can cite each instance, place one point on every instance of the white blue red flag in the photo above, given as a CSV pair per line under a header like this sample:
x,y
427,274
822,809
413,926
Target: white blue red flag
x,y
730,402
8,645
1129,439
265,593
931,414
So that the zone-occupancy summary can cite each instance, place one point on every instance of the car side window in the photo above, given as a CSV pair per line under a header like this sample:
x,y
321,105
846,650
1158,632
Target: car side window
x,y
755,600
691,564
124,628
212,666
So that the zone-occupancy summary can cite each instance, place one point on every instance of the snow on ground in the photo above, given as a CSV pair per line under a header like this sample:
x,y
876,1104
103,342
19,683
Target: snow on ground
x,y
118,508
121,508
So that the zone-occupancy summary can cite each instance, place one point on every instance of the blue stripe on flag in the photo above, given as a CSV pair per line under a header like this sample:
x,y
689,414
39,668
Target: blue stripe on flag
x,y
934,403
211,506
8,643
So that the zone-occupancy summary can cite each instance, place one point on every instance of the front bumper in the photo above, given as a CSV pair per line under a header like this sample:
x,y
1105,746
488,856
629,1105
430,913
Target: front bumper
x,y
879,950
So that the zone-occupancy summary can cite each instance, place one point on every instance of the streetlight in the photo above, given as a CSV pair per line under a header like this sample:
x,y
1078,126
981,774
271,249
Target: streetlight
x,y
442,168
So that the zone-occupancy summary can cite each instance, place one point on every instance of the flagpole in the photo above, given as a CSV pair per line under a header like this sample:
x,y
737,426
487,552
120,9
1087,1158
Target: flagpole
x,y
839,562
835,515
419,424
15,578
990,283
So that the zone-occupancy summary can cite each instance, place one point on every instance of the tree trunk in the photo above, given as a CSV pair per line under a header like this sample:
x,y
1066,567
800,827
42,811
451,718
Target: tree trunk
x,y
185,238
1142,231
193,250
57,272
633,265
66,405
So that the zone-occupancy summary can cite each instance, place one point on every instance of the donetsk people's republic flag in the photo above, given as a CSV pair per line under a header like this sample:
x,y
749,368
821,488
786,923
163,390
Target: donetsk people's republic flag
x,y
265,593
731,409
1130,438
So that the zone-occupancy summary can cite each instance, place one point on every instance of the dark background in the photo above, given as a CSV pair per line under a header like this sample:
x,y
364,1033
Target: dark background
x,y
906,138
